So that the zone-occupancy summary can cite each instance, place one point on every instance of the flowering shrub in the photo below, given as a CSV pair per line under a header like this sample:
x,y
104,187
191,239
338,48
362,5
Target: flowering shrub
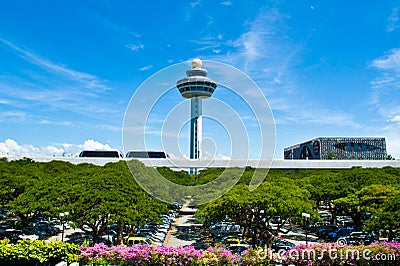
x,y
332,254
155,255
258,256
217,256
40,252
383,253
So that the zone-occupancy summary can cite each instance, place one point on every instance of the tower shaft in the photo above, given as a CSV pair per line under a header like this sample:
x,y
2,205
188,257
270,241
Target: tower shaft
x,y
196,128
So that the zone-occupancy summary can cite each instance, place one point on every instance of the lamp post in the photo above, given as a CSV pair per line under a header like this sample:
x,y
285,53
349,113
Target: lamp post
x,y
108,229
62,215
306,218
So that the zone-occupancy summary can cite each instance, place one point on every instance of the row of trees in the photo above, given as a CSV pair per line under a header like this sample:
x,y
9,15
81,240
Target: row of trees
x,y
331,156
96,196
370,196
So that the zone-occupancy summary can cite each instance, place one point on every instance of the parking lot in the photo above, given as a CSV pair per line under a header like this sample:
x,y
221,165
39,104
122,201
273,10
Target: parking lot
x,y
187,231
179,227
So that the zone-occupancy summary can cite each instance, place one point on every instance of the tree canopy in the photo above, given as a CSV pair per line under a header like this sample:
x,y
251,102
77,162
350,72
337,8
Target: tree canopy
x,y
96,196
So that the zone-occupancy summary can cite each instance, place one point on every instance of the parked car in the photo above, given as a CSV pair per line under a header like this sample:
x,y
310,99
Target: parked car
x,y
224,228
46,229
148,232
326,217
275,220
33,233
239,248
341,232
282,245
299,238
136,240
324,230
344,221
229,240
360,238
11,234
219,238
21,234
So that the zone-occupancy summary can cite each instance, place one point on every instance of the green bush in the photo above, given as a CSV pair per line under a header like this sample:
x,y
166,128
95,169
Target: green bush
x,y
37,251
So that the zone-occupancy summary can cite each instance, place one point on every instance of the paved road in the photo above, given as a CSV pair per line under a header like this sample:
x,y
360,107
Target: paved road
x,y
186,231
67,233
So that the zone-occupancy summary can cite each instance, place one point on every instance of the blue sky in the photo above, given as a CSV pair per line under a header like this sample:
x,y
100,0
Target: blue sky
x,y
68,69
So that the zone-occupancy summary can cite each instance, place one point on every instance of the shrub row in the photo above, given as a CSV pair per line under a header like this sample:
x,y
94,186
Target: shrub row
x,y
154,255
37,252
332,254
43,253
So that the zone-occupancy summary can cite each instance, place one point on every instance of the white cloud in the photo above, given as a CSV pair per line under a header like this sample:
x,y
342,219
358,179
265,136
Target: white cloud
x,y
266,54
53,86
194,4
13,116
385,98
226,3
135,47
118,28
210,43
22,117
11,148
87,80
5,102
393,20
212,156
110,127
146,68
386,86
306,115
388,62
52,150
91,144
265,41
392,133
395,119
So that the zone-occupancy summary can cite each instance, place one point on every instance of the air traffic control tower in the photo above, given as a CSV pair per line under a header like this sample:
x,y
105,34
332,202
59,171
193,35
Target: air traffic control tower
x,y
196,86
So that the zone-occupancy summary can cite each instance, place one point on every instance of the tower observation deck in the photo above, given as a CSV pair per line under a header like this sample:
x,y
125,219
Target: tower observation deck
x,y
196,86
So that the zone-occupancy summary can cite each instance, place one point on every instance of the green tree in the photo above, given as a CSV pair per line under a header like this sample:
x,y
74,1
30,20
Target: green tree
x,y
112,196
253,210
367,199
94,196
386,217
389,157
15,177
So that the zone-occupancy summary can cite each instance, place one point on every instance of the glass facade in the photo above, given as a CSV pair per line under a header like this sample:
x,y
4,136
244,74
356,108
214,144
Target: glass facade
x,y
196,84
339,148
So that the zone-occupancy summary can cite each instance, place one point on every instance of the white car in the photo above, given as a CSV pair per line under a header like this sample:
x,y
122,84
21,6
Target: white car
x,y
299,238
30,237
21,234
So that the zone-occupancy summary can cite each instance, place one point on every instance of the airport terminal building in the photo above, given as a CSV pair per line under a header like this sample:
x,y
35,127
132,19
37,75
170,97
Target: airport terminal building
x,y
339,148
